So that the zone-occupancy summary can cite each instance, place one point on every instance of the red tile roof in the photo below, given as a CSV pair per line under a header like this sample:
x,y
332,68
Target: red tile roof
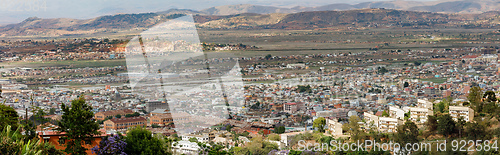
x,y
57,133
127,119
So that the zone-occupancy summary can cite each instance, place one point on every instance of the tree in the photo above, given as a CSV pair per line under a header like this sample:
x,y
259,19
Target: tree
x,y
135,114
302,88
460,126
29,128
52,111
13,142
431,123
474,97
475,131
213,149
118,116
268,56
385,114
382,70
280,129
489,104
319,124
407,134
8,116
140,141
445,125
38,116
193,139
111,145
30,125
490,108
407,115
256,146
78,123
274,137
353,128
489,96
440,107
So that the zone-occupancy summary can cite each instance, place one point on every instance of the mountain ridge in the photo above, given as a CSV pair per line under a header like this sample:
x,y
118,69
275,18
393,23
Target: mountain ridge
x,y
343,19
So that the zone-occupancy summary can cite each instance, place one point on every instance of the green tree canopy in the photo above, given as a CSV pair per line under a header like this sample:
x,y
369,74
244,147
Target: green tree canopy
x,y
8,116
353,128
140,141
319,124
474,97
445,125
280,129
385,114
407,133
431,123
78,123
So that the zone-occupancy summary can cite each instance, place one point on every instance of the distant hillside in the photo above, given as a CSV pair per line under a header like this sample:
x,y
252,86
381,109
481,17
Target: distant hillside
x,y
362,18
65,26
351,19
244,8
448,6
452,7
180,11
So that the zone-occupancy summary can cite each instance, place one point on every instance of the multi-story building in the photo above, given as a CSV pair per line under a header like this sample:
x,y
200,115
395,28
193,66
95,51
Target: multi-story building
x,y
430,91
103,115
201,138
466,113
370,119
324,113
424,103
185,147
395,112
182,117
152,105
124,123
161,117
419,115
290,107
334,127
386,124
340,113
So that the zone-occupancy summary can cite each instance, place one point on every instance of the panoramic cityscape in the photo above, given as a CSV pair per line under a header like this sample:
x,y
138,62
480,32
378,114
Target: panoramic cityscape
x,y
367,77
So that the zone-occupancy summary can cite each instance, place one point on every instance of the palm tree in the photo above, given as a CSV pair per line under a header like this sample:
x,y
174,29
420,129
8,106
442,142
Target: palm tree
x,y
13,142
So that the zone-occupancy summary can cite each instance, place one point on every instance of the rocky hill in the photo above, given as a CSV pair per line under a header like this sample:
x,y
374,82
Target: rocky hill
x,y
351,19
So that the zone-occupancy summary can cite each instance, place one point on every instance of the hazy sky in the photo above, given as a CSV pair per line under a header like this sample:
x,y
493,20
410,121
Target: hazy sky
x,y
13,11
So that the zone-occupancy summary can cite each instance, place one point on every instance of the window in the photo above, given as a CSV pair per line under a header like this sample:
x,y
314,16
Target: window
x,y
62,141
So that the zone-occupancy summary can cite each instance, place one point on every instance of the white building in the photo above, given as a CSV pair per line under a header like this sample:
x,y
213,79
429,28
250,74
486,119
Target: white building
x,y
185,147
386,124
370,119
334,127
419,115
296,66
466,112
352,113
324,114
424,103
201,138
395,112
